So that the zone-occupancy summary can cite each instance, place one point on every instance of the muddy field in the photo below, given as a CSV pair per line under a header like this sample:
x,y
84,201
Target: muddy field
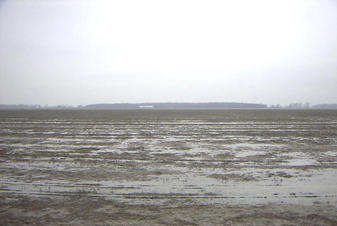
x,y
152,167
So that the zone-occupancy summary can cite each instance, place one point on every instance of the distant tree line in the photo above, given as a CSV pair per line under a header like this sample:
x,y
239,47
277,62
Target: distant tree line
x,y
25,106
293,106
210,105
304,106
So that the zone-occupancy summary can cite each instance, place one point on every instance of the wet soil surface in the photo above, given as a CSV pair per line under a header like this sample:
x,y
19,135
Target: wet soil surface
x,y
152,167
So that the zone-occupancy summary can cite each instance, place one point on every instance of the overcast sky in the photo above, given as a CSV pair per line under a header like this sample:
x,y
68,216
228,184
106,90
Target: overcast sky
x,y
83,52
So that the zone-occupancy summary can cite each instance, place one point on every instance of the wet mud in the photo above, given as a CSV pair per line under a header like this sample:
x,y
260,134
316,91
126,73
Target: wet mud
x,y
152,167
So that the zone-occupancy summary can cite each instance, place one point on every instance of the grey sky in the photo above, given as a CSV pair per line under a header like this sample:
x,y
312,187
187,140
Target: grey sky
x,y
82,52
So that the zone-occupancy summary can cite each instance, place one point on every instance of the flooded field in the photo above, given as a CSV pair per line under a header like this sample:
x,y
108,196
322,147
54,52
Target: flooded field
x,y
168,167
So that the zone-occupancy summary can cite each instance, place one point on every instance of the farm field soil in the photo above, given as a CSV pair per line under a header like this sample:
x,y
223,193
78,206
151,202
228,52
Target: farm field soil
x,y
168,167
